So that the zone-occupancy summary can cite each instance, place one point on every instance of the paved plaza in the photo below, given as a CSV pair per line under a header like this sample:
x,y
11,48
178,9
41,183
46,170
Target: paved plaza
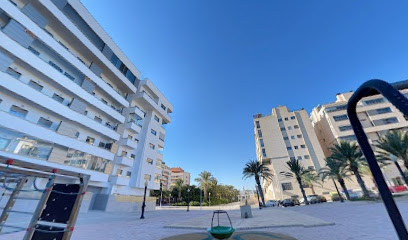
x,y
351,220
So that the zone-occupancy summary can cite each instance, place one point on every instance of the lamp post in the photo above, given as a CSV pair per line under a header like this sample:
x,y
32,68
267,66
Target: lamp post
x,y
161,193
395,160
188,201
201,199
209,199
144,200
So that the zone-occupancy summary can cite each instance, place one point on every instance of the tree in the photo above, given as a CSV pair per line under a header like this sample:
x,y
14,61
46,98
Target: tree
x,y
205,181
310,178
394,145
335,170
351,158
299,171
179,186
259,171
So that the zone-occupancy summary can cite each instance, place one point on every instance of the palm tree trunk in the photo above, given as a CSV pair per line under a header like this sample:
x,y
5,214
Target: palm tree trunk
x,y
179,195
401,172
337,189
406,164
205,192
302,190
313,190
361,183
343,185
260,190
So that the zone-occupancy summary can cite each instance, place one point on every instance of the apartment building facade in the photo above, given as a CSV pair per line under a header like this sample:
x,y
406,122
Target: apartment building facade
x,y
377,115
165,176
179,173
71,99
283,136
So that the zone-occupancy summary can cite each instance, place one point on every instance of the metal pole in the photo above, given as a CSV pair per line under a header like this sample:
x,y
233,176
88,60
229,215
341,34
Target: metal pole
x,y
144,202
209,199
400,102
161,194
201,199
188,201
11,201
337,189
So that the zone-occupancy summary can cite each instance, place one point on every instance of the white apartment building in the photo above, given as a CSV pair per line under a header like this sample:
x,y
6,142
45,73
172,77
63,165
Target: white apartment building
x,y
71,99
377,115
283,136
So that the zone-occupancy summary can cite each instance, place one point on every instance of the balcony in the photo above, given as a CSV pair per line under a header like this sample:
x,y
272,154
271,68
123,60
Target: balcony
x,y
136,110
124,161
128,142
119,180
133,126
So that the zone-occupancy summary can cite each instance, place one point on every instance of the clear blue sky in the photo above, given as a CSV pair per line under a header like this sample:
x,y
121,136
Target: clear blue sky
x,y
220,62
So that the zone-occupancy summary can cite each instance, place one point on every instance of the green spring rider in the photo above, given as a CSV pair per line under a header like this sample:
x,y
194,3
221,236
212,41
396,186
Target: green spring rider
x,y
220,232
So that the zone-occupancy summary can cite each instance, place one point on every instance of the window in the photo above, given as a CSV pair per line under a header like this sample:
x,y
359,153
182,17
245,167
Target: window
x,y
76,134
257,124
263,152
287,186
156,118
153,132
296,147
302,146
385,121
299,158
348,138
123,154
373,101
98,119
119,172
293,117
310,168
90,140
286,119
132,156
289,128
299,136
69,76
306,157
13,73
148,177
285,138
340,118
279,119
163,107
157,178
292,137
152,146
58,98
282,129
296,126
262,142
260,133
19,112
35,85
336,108
149,161
289,148
345,128
55,66
379,111
44,122
33,51
104,101
292,158
128,174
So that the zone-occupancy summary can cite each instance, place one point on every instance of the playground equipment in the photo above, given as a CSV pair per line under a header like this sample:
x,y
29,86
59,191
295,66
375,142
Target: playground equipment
x,y
57,209
221,232
397,99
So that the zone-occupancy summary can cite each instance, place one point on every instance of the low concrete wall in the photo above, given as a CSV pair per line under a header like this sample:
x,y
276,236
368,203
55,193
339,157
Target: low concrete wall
x,y
122,203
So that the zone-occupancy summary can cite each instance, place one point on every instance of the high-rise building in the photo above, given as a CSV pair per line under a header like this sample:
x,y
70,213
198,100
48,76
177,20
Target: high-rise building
x,y
179,173
377,115
165,176
71,99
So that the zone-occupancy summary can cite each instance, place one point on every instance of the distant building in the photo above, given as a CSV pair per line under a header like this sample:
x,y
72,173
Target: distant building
x,y
179,173
165,176
377,115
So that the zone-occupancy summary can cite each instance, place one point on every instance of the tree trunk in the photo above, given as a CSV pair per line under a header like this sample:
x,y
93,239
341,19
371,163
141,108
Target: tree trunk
x,y
406,164
179,195
337,189
260,190
343,185
302,190
361,182
312,188
401,172
205,192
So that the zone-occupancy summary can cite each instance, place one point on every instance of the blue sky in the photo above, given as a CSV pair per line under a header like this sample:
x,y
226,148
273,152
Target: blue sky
x,y
220,62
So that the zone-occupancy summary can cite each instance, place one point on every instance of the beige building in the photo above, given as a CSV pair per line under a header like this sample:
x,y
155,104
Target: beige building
x,y
179,173
283,136
165,176
377,115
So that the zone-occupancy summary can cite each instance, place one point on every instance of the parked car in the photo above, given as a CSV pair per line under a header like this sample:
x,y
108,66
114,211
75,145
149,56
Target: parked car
x,y
322,198
290,202
397,189
335,196
351,194
271,203
312,199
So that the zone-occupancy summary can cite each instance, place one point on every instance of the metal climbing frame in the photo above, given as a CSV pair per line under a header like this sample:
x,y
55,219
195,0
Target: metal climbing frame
x,y
57,210
392,94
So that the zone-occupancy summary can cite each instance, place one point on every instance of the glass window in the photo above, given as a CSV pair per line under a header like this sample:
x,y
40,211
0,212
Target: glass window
x,y
44,122
98,119
289,128
129,75
306,157
13,73
279,119
90,140
33,50
303,146
287,186
57,98
385,121
289,148
128,174
153,132
18,111
157,178
257,124
340,117
293,117
345,128
260,133
263,152
35,85
152,146
285,138
282,129
348,138
286,119
148,177
292,158
299,136
299,158
296,126
262,142
149,161
336,108
163,107
119,172
292,137
132,156
156,118
373,101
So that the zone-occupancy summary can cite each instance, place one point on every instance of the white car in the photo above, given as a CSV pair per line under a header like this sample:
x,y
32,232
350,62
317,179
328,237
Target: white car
x,y
271,203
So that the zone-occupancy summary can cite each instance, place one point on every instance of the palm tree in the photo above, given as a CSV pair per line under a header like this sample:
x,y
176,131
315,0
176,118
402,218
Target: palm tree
x,y
335,170
299,171
310,178
205,181
351,159
392,146
179,185
259,171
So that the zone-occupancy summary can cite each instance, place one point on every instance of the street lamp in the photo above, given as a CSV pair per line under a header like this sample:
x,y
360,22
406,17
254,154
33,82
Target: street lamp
x,y
144,200
395,160
201,199
188,201
209,199
161,193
